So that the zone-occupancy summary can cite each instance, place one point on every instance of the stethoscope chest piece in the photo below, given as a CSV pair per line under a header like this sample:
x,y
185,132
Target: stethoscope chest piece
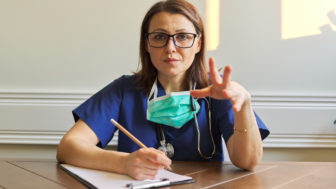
x,y
167,148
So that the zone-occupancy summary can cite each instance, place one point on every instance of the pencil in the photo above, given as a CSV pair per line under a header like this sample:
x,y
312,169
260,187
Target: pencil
x,y
121,128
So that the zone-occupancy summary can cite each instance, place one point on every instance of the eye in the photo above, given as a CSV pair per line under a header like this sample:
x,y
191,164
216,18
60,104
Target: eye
x,y
159,36
183,36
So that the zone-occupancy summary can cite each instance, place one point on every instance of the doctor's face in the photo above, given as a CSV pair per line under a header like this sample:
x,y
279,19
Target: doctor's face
x,y
169,58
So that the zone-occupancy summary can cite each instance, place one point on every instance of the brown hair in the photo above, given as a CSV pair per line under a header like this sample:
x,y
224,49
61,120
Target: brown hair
x,y
197,71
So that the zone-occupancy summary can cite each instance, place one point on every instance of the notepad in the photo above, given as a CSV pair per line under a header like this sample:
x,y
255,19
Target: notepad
x,y
103,179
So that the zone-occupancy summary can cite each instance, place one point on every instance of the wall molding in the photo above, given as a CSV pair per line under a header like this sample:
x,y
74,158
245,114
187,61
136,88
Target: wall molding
x,y
273,141
294,100
43,97
257,97
300,141
30,137
19,99
36,137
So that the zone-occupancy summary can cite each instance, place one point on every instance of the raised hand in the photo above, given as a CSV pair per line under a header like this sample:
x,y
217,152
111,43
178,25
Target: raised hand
x,y
223,88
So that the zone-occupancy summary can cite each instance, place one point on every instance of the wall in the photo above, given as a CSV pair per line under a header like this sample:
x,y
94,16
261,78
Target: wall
x,y
55,54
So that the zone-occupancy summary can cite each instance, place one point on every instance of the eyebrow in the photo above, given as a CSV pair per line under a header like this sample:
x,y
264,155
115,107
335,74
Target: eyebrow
x,y
177,31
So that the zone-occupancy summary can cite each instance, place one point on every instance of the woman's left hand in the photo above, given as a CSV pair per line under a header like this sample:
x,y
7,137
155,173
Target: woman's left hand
x,y
223,88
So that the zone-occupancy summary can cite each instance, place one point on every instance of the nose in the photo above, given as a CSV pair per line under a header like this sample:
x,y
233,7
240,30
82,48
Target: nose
x,y
171,45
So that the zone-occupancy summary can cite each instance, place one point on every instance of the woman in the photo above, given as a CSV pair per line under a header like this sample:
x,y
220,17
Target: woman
x,y
155,105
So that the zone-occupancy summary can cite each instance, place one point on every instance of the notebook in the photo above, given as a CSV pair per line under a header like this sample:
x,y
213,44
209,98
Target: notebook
x,y
103,179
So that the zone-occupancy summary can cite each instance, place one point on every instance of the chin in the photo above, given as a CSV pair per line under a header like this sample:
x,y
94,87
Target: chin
x,y
175,74
172,72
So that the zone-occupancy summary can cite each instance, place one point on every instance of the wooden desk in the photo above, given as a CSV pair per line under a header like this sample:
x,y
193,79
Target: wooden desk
x,y
321,175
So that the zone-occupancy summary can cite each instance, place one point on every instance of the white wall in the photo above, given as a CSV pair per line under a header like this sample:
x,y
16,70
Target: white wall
x,y
55,54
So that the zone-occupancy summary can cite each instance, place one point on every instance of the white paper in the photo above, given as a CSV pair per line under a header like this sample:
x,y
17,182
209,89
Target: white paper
x,y
104,179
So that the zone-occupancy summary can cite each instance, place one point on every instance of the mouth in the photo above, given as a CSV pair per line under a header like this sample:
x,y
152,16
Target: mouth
x,y
171,60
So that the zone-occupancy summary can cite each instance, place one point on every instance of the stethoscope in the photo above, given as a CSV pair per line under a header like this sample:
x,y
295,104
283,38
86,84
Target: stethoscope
x,y
168,148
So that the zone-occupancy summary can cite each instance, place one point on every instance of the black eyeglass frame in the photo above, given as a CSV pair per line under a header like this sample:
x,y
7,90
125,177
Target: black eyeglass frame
x,y
171,36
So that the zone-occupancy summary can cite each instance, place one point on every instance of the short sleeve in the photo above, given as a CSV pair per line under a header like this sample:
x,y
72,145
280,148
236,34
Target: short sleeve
x,y
97,111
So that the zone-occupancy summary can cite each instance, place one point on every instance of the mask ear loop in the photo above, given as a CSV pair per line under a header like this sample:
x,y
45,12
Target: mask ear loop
x,y
154,90
197,127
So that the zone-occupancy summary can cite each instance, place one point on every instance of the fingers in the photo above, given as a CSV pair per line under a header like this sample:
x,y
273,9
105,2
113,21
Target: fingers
x,y
237,99
222,87
226,76
146,162
143,174
158,157
200,93
216,78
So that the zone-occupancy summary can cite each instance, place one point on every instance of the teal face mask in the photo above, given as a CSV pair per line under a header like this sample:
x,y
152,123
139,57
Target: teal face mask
x,y
173,109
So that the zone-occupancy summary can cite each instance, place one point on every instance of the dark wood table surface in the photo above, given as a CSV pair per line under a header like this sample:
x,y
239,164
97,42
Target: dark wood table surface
x,y
46,174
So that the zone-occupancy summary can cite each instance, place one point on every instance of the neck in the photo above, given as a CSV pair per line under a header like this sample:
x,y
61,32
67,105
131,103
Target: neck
x,y
171,84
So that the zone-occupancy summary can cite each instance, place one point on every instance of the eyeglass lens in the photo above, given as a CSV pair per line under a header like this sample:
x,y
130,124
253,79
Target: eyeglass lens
x,y
183,40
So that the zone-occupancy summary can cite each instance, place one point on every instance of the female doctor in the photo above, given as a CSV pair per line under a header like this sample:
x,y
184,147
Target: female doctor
x,y
172,105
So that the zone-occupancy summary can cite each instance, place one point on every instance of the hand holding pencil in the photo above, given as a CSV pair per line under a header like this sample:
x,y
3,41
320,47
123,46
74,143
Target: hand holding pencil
x,y
145,162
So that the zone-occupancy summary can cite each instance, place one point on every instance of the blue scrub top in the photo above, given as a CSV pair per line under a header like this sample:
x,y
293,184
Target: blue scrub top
x,y
122,101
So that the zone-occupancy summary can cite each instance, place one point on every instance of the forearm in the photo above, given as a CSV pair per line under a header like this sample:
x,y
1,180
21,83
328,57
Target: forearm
x,y
81,153
245,144
78,147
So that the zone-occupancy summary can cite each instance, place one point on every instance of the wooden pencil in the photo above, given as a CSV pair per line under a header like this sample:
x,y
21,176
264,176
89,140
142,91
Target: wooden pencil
x,y
121,128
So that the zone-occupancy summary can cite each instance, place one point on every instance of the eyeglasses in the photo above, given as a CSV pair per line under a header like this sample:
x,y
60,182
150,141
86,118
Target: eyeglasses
x,y
182,40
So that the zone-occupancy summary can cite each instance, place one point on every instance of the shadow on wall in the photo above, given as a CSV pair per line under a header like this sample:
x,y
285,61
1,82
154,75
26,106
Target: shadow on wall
x,y
311,56
327,29
255,40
